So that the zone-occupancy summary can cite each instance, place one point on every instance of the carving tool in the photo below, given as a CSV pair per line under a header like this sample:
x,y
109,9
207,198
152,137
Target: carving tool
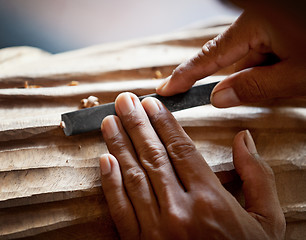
x,y
90,119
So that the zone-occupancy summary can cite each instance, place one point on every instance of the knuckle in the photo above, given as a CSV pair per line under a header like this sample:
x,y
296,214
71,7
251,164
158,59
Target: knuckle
x,y
175,214
118,145
133,121
210,46
204,200
179,76
153,155
177,218
177,72
210,201
213,50
181,149
160,122
134,178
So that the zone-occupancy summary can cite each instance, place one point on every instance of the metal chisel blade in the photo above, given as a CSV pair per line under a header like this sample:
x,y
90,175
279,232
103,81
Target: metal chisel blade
x,y
90,119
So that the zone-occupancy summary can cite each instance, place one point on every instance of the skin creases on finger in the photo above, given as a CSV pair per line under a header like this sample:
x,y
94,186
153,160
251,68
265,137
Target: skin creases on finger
x,y
222,51
135,180
189,165
258,180
149,149
119,204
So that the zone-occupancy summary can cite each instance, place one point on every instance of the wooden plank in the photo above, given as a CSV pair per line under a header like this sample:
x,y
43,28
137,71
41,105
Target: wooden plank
x,y
33,219
130,60
51,183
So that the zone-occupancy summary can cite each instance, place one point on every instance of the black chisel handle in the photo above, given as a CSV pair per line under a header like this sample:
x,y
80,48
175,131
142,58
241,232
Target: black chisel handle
x,y
90,119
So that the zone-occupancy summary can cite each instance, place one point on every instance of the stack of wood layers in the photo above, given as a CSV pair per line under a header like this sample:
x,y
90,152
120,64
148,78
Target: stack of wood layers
x,y
50,184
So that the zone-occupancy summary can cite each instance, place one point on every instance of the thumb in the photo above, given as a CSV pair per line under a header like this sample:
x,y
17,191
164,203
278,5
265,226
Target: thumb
x,y
261,200
283,79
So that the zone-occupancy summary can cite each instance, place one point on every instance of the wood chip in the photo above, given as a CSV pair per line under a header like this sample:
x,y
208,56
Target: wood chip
x,y
91,101
73,83
158,74
26,85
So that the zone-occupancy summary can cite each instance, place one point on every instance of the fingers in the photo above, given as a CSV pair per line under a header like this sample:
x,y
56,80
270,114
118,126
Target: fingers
x,y
120,207
258,183
188,163
150,151
222,51
256,84
136,182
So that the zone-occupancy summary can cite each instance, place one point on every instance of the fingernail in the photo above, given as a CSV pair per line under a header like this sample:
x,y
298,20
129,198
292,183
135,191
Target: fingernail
x,y
110,126
163,84
151,106
105,164
125,103
249,142
225,98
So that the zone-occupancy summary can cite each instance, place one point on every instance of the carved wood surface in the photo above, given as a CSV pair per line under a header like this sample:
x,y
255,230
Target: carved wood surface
x,y
50,184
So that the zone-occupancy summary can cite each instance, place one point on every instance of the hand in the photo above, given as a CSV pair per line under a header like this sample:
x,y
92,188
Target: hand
x,y
158,186
268,51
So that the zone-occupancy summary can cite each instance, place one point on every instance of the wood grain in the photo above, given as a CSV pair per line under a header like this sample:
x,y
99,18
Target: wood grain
x,y
50,184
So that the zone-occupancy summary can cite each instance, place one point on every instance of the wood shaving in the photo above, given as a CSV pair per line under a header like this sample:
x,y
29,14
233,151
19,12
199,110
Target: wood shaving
x,y
158,74
26,85
91,101
62,124
73,83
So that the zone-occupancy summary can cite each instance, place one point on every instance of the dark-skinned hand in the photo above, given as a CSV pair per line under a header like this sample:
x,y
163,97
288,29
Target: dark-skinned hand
x,y
158,186
266,46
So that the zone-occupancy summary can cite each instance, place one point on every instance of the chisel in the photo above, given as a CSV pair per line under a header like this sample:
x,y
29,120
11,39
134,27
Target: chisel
x,y
90,119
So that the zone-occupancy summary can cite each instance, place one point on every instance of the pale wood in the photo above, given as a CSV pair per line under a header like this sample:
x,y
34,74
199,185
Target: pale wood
x,y
10,57
130,60
50,183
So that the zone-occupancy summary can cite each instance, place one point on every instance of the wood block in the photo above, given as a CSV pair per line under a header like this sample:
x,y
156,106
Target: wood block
x,y
50,184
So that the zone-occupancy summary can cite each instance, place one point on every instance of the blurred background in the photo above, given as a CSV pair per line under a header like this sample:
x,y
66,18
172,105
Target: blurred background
x,y
63,25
